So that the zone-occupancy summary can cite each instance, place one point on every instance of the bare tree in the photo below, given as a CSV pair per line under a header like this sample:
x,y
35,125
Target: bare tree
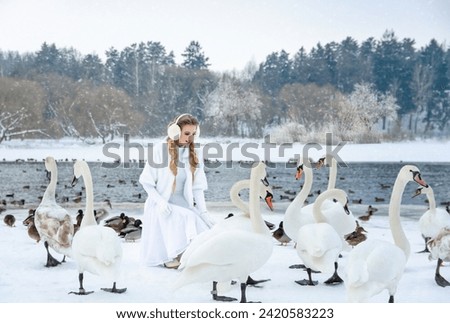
x,y
362,109
310,105
422,83
21,106
233,108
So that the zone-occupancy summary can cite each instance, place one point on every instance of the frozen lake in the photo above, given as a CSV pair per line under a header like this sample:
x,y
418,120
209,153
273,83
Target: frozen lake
x,y
367,183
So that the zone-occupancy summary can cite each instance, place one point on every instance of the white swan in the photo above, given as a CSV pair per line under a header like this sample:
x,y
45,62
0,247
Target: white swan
x,y
297,214
318,244
53,222
233,253
375,265
434,219
265,192
343,222
240,221
96,249
439,247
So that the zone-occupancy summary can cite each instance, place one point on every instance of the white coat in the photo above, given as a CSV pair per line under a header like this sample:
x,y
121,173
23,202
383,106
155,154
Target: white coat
x,y
166,236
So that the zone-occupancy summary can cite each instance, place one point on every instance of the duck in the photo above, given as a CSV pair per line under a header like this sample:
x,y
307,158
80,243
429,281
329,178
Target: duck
x,y
96,248
114,220
52,221
132,232
280,235
439,247
318,243
375,265
372,209
118,223
9,220
31,228
357,236
367,216
102,212
434,219
78,218
234,253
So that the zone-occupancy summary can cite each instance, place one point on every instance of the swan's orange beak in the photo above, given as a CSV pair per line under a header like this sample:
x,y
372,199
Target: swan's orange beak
x,y
299,172
268,199
418,179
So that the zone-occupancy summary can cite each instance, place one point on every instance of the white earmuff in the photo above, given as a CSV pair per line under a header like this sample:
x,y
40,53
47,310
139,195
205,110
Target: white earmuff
x,y
174,130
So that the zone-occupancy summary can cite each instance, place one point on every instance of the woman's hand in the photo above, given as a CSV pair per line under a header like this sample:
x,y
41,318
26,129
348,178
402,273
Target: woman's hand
x,y
207,219
164,208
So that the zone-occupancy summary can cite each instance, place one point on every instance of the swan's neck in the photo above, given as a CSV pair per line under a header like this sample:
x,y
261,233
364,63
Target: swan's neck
x,y
234,195
317,206
333,174
88,218
49,194
301,197
394,216
258,224
431,200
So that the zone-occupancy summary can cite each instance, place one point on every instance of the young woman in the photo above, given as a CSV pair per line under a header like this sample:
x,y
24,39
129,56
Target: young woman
x,y
175,209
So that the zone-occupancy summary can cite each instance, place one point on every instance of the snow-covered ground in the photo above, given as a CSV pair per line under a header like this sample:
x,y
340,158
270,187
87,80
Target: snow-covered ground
x,y
25,279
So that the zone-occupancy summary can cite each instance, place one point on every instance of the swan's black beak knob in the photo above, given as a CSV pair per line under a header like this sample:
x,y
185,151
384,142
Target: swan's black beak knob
x,y
74,181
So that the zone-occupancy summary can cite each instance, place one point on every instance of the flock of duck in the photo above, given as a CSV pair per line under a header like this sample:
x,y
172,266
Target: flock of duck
x,y
242,243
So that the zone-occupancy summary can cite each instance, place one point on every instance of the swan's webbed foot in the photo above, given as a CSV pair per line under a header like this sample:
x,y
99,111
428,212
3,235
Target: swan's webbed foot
x,y
243,296
426,246
297,266
51,261
334,280
114,289
221,298
307,282
441,281
82,291
254,283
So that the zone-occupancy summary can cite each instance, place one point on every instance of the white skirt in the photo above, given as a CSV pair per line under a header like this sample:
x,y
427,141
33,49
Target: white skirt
x,y
165,237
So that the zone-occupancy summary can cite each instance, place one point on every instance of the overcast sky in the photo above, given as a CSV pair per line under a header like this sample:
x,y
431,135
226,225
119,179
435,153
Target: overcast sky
x,y
231,32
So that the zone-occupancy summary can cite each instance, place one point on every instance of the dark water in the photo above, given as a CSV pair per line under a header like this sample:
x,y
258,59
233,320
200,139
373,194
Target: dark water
x,y
26,182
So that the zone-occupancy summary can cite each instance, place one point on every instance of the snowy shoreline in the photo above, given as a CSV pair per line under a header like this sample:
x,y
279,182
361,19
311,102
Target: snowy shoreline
x,y
223,149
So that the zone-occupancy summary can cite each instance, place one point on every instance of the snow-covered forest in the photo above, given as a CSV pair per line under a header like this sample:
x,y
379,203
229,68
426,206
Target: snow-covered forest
x,y
377,90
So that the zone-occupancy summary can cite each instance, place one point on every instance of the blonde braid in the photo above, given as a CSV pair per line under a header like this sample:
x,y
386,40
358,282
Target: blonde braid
x,y
193,159
173,164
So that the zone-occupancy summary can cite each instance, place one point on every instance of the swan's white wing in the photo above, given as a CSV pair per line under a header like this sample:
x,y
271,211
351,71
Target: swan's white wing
x,y
318,245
